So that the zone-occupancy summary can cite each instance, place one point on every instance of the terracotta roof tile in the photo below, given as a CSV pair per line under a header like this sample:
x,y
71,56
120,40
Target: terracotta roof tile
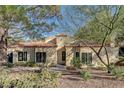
x,y
63,35
79,43
33,44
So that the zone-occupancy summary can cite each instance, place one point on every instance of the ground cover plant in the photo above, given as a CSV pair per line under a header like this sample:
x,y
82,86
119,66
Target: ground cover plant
x,y
45,78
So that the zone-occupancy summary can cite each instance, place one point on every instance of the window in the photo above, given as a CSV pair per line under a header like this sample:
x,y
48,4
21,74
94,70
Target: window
x,y
38,55
41,57
121,52
77,54
63,55
44,57
87,58
22,56
25,56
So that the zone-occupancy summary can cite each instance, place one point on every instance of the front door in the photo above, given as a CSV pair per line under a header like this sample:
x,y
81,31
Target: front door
x,y
10,58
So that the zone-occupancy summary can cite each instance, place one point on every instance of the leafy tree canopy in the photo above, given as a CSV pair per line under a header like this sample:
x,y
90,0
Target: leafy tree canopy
x,y
27,22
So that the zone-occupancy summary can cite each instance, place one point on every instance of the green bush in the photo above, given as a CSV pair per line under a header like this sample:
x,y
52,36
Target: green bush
x,y
9,65
29,79
118,72
30,64
76,62
86,75
26,64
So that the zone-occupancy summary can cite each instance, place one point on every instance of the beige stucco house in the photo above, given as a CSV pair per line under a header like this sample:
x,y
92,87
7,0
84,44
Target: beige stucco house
x,y
60,49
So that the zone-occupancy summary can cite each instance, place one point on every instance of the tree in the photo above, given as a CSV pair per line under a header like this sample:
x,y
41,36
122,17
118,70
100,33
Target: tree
x,y
28,22
101,25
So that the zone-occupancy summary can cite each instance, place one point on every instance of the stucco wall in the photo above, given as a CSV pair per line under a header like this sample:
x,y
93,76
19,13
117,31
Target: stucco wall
x,y
30,53
55,56
59,56
112,52
51,54
70,53
2,55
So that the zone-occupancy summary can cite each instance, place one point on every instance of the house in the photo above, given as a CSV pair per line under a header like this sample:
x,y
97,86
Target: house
x,y
60,49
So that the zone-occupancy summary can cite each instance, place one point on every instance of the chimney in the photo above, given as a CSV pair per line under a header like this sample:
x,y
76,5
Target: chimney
x,y
61,39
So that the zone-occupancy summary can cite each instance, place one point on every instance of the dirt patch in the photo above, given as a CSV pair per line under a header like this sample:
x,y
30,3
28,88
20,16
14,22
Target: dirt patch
x,y
71,78
100,79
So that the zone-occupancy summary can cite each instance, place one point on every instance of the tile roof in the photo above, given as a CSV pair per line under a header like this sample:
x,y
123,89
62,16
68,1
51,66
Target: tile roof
x,y
33,44
79,43
61,35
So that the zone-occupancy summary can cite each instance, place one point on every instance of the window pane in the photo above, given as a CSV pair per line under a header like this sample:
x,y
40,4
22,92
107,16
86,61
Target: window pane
x,y
89,58
25,56
63,55
84,57
20,56
77,54
121,52
44,57
38,57
41,57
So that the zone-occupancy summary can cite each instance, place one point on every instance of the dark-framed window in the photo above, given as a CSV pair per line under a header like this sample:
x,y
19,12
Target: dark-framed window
x,y
121,51
87,58
41,57
77,54
63,55
22,56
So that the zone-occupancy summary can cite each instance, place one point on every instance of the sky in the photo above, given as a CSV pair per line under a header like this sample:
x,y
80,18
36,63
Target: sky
x,y
65,25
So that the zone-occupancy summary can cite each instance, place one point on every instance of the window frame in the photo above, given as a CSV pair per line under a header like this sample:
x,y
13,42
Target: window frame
x,y
87,58
41,57
121,52
77,54
63,55
22,56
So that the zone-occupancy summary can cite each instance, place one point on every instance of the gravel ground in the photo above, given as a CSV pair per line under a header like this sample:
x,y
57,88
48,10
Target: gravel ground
x,y
72,79
100,79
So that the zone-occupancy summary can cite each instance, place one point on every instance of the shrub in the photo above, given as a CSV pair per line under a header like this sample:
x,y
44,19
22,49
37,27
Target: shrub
x,y
30,64
9,65
76,62
70,68
118,72
29,79
86,75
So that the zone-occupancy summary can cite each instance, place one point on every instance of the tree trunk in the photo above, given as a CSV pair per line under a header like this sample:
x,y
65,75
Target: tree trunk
x,y
3,44
109,69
